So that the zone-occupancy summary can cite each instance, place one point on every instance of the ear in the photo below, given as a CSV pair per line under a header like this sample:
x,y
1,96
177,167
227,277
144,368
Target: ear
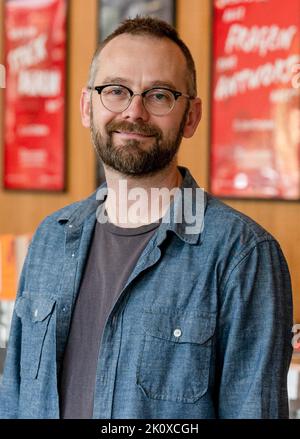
x,y
194,117
85,107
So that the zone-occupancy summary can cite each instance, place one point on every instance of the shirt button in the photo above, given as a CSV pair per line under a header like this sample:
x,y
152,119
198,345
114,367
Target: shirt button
x,y
70,225
177,333
64,309
73,255
36,313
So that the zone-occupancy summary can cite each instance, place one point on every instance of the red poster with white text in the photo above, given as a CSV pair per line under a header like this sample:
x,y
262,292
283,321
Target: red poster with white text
x,y
34,114
255,117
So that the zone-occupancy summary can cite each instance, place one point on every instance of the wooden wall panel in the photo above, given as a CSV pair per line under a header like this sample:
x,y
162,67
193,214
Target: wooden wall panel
x,y
282,219
21,212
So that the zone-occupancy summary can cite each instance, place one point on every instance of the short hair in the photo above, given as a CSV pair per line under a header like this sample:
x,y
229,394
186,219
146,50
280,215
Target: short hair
x,y
152,27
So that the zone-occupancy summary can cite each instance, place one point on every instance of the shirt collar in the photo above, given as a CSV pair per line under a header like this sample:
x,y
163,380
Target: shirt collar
x,y
185,216
186,213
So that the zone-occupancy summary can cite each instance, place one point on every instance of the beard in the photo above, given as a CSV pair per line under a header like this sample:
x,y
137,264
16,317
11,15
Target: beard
x,y
131,158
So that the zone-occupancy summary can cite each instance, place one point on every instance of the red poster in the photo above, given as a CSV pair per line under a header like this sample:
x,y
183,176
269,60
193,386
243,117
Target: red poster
x,y
255,118
34,116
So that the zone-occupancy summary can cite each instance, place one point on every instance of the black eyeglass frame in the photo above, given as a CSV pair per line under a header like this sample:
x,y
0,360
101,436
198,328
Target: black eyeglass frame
x,y
176,94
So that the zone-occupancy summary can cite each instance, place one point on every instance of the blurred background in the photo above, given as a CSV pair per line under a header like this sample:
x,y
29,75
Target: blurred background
x,y
246,150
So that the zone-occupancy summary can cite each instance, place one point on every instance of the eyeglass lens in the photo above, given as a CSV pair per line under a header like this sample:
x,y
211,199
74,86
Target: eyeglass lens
x,y
157,101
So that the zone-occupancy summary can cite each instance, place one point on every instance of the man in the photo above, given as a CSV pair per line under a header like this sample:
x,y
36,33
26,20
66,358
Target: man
x,y
136,309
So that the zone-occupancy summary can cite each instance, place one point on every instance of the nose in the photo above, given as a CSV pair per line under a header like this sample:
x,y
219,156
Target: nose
x,y
136,109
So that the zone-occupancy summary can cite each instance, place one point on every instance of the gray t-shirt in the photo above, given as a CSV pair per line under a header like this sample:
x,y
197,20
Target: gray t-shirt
x,y
113,254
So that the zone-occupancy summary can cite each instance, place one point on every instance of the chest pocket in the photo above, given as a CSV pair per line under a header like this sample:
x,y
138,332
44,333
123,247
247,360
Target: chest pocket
x,y
35,314
174,362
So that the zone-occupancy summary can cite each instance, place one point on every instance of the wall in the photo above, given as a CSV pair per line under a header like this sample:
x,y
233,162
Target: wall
x,y
21,212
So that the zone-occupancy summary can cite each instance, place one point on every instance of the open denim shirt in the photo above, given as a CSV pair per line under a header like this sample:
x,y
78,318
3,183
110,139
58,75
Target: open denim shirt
x,y
202,328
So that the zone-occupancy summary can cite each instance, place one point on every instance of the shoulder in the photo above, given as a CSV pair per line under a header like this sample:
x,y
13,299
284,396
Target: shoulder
x,y
233,236
48,244
240,244
69,212
52,227
223,220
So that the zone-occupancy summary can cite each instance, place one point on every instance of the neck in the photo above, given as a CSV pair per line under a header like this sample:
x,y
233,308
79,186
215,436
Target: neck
x,y
136,201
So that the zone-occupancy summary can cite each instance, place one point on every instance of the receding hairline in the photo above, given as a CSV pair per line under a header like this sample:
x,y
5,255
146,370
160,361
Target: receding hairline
x,y
145,35
191,82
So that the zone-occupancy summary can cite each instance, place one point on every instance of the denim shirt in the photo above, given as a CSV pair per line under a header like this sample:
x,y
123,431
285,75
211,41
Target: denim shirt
x,y
202,328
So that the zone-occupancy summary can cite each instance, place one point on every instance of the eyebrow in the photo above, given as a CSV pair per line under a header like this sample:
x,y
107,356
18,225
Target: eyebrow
x,y
124,81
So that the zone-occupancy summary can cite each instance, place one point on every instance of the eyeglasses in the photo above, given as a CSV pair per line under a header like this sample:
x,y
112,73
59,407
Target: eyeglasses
x,y
159,101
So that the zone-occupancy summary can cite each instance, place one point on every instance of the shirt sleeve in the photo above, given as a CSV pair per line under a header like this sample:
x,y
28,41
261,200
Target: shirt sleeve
x,y
254,336
10,382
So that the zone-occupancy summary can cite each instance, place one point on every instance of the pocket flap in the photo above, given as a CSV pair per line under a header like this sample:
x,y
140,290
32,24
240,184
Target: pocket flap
x,y
180,328
38,307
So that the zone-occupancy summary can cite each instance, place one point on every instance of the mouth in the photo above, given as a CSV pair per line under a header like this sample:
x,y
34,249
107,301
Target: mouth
x,y
132,135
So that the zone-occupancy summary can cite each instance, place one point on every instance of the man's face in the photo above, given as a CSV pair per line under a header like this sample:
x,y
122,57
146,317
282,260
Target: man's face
x,y
136,142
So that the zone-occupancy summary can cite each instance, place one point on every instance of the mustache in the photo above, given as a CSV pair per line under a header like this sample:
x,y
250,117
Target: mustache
x,y
137,127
